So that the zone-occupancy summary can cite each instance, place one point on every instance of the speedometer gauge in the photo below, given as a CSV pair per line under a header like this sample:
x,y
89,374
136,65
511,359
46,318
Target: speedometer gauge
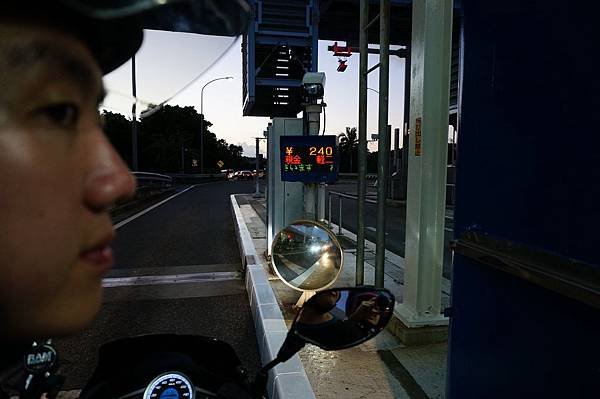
x,y
171,385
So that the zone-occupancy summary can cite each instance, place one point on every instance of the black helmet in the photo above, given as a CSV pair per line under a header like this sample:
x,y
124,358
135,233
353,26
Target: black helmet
x,y
113,28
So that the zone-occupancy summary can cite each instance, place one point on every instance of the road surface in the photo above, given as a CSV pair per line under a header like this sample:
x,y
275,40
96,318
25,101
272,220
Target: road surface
x,y
177,271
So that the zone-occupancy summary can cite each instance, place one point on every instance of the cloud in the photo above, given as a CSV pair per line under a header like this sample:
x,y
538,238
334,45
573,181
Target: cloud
x,y
250,148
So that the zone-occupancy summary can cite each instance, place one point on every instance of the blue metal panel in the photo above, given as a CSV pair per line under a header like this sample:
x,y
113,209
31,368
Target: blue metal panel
x,y
525,175
275,40
279,82
512,339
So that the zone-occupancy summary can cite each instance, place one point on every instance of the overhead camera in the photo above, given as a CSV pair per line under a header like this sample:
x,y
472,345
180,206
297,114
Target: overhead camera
x,y
313,84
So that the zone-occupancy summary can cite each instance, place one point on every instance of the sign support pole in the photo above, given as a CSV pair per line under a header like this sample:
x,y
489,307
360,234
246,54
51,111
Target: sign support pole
x,y
313,116
257,192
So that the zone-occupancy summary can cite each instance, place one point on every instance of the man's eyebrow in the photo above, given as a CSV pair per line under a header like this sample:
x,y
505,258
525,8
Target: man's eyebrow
x,y
38,52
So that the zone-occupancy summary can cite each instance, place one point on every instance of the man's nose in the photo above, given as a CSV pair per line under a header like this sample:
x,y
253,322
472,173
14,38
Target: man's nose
x,y
109,180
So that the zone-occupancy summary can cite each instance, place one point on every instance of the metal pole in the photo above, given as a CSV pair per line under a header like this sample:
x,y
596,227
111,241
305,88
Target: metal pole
x,y
362,143
202,121
329,213
390,161
395,179
182,160
397,150
384,139
404,170
134,138
311,119
321,193
257,192
201,140
340,215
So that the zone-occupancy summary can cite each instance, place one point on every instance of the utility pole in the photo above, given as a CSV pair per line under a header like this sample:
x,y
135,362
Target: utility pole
x,y
202,121
134,138
182,159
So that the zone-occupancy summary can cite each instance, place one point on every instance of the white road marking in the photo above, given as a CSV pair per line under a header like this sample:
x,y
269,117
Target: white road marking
x,y
291,265
137,215
374,229
170,279
299,280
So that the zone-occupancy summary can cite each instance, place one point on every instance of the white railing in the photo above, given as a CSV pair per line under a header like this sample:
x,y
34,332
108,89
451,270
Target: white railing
x,y
152,180
340,196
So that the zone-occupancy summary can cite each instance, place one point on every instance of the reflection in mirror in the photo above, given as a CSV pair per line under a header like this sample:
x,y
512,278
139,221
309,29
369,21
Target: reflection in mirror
x,y
340,318
307,256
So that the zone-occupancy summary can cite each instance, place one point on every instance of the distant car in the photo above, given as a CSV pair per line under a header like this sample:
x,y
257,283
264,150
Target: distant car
x,y
245,175
228,173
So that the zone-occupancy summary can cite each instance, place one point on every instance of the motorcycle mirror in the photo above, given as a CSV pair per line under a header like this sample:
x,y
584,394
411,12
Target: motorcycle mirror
x,y
335,319
343,317
306,256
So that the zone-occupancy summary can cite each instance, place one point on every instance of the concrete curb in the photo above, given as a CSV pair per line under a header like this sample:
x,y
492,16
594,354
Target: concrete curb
x,y
287,380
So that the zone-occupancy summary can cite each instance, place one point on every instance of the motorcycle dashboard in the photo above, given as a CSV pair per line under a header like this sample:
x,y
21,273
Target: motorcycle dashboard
x,y
170,385
162,366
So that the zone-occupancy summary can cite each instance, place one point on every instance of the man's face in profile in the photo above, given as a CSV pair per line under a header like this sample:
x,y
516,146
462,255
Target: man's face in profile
x,y
58,176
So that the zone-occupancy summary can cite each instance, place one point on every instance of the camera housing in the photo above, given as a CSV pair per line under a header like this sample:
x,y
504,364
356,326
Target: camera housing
x,y
313,86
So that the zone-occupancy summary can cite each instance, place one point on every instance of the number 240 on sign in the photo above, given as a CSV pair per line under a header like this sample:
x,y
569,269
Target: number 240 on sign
x,y
320,151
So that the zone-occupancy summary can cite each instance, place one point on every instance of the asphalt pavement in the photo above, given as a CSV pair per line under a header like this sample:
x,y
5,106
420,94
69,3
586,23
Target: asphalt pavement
x,y
178,270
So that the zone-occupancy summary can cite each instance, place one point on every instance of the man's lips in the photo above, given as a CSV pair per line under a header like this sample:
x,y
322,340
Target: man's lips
x,y
100,255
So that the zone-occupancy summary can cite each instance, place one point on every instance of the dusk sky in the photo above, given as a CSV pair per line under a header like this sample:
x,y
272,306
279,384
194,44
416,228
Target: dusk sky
x,y
168,61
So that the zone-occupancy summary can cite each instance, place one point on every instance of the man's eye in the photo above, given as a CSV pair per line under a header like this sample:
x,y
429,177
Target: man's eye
x,y
64,114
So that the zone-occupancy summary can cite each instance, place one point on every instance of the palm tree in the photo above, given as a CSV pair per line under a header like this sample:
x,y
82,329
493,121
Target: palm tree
x,y
349,143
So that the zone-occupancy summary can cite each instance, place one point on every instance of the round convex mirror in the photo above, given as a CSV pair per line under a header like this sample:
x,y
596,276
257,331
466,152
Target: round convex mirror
x,y
306,256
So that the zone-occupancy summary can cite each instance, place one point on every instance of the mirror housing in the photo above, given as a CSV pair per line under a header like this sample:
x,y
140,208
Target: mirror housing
x,y
341,318
356,315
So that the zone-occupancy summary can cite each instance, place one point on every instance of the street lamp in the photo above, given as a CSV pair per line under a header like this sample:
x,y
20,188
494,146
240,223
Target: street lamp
x,y
202,121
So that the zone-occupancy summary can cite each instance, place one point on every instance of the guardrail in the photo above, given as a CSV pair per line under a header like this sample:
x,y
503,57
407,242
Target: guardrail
x,y
152,180
340,196
354,176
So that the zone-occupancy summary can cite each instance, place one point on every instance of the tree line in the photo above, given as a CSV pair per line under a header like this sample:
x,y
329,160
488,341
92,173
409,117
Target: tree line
x,y
169,141
348,146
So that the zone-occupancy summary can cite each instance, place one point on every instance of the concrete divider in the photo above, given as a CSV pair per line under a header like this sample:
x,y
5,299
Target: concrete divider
x,y
287,380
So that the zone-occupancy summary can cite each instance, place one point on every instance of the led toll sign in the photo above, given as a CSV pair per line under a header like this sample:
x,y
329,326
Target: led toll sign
x,y
309,159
